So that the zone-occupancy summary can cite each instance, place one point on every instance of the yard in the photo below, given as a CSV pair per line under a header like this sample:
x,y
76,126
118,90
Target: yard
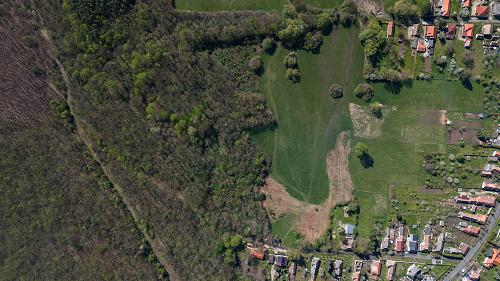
x,y
309,120
225,5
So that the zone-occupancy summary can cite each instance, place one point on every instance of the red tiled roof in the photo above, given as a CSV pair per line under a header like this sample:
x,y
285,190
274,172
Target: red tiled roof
x,y
494,260
399,245
376,267
446,8
473,230
390,29
491,186
430,31
464,248
466,3
481,219
482,11
468,30
452,29
257,254
421,46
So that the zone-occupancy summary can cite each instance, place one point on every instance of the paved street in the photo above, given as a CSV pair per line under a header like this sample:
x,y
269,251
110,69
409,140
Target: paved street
x,y
454,274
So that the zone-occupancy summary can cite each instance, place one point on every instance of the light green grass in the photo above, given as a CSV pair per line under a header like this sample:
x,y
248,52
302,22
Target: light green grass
x,y
308,119
324,4
398,152
227,5
284,228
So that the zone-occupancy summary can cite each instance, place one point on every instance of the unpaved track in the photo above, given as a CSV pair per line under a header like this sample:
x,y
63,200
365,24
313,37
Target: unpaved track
x,y
314,219
156,244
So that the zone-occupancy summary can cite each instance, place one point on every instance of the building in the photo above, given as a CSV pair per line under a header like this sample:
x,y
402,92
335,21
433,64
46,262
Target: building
x,y
314,267
425,245
430,32
390,29
412,272
414,30
421,46
280,260
486,30
496,154
356,276
412,244
349,230
384,245
391,269
438,247
257,254
376,267
496,9
270,259
468,30
466,3
399,245
491,186
292,269
445,9
451,31
337,268
488,201
471,230
464,248
482,11
489,262
481,219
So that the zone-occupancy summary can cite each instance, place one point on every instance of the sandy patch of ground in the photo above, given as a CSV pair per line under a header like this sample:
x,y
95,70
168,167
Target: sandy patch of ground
x,y
364,123
313,220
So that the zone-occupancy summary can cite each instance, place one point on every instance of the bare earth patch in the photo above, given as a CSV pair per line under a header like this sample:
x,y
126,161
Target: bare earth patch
x,y
366,125
314,220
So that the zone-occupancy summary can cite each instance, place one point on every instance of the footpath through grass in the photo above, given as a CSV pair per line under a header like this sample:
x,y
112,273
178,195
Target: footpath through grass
x,y
398,153
309,120
227,5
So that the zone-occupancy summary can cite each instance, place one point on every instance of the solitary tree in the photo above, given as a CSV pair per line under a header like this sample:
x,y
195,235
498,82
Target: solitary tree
x,y
255,64
268,45
336,91
376,109
364,91
361,151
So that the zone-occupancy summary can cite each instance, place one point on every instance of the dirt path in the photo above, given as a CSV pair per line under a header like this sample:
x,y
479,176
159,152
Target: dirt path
x,y
314,220
155,243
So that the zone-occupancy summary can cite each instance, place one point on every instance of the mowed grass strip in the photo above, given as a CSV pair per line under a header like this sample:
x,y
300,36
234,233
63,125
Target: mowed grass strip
x,y
308,119
398,153
324,4
229,5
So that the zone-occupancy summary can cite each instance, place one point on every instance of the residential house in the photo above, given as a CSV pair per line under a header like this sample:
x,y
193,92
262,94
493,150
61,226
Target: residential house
x,y
481,219
384,245
257,254
486,30
468,34
439,244
496,9
482,11
489,170
349,230
412,244
445,9
391,269
280,260
496,154
489,262
430,32
425,244
491,186
451,31
471,230
412,272
488,201
421,46
337,268
314,268
475,275
399,244
375,268
390,29
464,248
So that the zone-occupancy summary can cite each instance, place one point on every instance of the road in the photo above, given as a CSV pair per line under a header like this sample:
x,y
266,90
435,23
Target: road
x,y
474,249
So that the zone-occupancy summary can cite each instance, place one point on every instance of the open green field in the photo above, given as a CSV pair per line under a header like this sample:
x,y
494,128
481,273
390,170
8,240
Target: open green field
x,y
406,136
226,5
325,4
308,119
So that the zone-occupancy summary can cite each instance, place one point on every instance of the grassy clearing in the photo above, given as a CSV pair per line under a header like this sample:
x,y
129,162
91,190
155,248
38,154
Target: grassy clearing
x,y
309,120
284,228
398,152
225,5
325,4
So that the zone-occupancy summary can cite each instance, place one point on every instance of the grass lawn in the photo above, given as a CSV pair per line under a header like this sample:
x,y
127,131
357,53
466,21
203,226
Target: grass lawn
x,y
325,4
398,152
224,5
476,49
284,228
308,119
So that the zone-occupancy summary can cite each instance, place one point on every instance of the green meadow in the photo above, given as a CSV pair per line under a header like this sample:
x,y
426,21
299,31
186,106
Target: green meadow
x,y
308,119
325,4
227,5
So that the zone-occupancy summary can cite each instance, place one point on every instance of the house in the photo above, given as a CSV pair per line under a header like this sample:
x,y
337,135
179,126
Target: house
x,y
486,30
399,244
391,269
425,245
430,31
270,259
376,267
488,201
496,9
494,260
468,30
349,230
445,9
464,248
481,219
337,268
491,186
280,260
356,276
421,46
314,268
414,30
384,245
412,244
257,254
482,11
471,230
466,3
451,31
474,275
412,272
439,244
468,43
496,154
390,29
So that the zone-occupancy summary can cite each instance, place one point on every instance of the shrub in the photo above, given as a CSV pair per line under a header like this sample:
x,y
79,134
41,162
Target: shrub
x,y
336,91
290,60
376,109
268,45
312,41
293,74
468,59
255,64
364,91
324,23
